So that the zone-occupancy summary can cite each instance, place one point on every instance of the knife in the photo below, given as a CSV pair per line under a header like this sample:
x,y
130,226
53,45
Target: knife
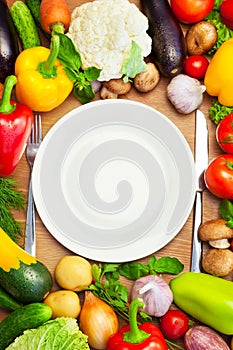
x,y
201,163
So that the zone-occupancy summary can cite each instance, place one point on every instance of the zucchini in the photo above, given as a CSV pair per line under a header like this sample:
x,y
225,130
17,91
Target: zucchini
x,y
25,25
168,42
7,302
9,48
29,316
23,276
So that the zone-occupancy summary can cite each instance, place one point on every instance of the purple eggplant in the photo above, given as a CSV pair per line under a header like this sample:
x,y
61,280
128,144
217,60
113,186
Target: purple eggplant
x,y
9,48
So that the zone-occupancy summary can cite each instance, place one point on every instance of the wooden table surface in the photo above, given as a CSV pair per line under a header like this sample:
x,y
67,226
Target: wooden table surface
x,y
49,251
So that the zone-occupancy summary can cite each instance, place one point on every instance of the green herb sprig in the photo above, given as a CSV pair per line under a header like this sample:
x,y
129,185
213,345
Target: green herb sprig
x,y
108,287
10,199
82,78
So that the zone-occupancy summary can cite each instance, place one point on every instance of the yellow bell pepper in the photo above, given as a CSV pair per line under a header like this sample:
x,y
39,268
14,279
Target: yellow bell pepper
x,y
219,75
42,81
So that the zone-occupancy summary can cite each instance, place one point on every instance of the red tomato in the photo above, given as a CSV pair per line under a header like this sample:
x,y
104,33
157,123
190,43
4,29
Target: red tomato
x,y
174,324
219,176
191,11
224,133
226,12
195,66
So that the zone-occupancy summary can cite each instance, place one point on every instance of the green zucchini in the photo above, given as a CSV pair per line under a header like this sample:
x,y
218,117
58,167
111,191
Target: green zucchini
x,y
7,302
25,25
29,316
23,276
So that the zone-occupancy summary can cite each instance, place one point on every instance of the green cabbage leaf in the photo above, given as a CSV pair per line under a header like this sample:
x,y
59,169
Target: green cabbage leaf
x,y
61,333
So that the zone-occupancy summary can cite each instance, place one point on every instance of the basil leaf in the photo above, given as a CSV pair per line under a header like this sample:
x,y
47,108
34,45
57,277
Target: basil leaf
x,y
84,93
68,55
92,73
226,211
170,265
133,270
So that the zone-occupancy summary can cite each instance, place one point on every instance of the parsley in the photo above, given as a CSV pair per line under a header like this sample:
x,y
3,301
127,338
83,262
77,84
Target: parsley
x,y
72,62
108,287
217,111
10,199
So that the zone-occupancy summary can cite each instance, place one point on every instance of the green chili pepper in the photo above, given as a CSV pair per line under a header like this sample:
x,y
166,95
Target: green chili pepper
x,y
207,298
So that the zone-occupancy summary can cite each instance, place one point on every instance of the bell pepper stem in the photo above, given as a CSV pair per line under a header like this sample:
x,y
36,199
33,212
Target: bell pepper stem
x,y
135,335
5,105
48,69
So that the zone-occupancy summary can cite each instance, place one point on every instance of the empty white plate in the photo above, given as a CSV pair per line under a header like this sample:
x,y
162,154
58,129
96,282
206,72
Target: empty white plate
x,y
114,180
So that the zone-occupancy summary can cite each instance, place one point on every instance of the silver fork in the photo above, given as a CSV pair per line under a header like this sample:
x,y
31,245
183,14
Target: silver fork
x,y
33,145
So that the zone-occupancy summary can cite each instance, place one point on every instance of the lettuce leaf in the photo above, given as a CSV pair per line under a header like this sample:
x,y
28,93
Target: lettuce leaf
x,y
61,333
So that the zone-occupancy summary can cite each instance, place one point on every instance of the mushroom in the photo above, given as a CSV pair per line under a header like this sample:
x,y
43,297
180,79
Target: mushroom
x,y
148,79
216,232
107,94
118,86
218,262
200,38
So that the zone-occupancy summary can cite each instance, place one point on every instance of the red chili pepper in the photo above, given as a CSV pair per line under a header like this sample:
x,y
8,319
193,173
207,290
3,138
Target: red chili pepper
x,y
15,128
147,336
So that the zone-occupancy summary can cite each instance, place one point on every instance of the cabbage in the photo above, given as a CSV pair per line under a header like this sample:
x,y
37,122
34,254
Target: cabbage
x,y
61,333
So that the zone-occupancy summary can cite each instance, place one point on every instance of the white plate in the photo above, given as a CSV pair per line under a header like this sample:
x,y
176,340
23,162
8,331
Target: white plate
x,y
114,180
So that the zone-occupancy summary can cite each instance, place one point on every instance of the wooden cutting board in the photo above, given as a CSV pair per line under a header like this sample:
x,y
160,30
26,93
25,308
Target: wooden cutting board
x,y
48,249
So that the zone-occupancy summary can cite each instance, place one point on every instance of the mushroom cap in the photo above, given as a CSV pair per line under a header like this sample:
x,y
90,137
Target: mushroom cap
x,y
118,86
218,262
214,229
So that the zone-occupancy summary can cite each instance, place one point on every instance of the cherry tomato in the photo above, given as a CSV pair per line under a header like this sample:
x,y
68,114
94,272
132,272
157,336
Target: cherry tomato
x,y
226,13
219,176
195,66
174,324
191,11
224,134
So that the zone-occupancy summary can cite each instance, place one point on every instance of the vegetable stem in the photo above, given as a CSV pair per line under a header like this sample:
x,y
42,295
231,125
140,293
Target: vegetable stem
x,y
5,105
48,69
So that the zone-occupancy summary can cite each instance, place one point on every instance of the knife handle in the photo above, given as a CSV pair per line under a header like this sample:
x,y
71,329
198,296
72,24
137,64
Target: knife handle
x,y
196,243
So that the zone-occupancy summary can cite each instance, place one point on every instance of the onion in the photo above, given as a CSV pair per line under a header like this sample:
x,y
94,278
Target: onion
x,y
98,321
155,293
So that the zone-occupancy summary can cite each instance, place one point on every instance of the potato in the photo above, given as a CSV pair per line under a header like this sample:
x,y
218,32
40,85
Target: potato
x,y
64,303
73,272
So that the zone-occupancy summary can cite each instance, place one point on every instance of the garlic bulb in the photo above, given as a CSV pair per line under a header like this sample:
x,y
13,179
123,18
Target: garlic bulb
x,y
185,93
155,293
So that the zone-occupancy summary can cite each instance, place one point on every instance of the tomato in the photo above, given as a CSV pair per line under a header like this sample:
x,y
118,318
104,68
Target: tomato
x,y
191,11
195,66
224,134
219,176
226,13
174,324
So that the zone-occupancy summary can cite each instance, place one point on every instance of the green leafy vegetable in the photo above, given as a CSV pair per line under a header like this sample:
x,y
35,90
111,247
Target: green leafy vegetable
x,y
217,111
108,287
226,211
224,33
82,78
134,64
10,199
61,333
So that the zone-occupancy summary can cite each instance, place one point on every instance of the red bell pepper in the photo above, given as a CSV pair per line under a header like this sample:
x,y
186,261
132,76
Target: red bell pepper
x,y
147,336
15,127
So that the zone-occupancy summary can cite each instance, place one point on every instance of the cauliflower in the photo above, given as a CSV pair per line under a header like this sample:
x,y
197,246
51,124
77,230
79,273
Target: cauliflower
x,y
103,32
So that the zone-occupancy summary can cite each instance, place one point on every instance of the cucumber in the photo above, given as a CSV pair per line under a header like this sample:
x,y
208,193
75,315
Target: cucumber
x,y
7,302
25,25
34,7
29,316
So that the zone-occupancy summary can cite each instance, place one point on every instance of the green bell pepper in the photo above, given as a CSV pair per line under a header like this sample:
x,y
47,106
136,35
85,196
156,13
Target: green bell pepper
x,y
207,298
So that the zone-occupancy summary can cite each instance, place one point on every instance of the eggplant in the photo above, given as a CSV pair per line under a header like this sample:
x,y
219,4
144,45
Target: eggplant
x,y
9,48
168,41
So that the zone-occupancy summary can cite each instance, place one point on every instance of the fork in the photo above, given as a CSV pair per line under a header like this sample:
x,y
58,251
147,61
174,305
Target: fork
x,y
33,145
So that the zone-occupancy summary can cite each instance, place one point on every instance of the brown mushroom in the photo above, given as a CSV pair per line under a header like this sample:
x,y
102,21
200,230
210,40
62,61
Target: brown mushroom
x,y
215,230
118,86
148,79
107,94
200,38
218,262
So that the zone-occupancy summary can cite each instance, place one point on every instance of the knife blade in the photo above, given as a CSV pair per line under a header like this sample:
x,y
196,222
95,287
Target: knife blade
x,y
201,162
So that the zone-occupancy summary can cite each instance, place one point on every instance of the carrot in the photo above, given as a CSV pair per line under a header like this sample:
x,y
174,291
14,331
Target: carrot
x,y
55,14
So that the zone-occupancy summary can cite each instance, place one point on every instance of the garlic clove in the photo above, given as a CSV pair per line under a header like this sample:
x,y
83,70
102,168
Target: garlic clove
x,y
185,93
